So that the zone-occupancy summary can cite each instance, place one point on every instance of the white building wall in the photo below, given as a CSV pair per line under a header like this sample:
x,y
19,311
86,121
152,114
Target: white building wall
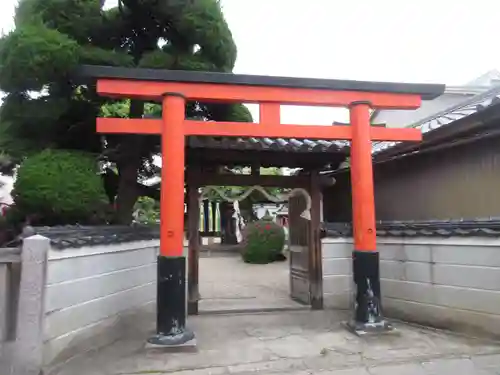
x,y
403,118
7,184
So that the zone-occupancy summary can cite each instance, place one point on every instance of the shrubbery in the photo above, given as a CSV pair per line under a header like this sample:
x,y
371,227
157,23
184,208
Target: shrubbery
x,y
147,211
263,241
57,187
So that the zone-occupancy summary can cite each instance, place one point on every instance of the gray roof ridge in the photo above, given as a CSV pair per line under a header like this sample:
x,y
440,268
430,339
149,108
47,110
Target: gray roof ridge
x,y
381,146
467,102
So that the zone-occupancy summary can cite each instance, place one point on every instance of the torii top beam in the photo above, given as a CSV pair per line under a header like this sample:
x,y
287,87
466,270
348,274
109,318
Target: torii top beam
x,y
151,84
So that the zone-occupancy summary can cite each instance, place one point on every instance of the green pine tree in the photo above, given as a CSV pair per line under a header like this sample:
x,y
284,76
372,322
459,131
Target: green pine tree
x,y
52,37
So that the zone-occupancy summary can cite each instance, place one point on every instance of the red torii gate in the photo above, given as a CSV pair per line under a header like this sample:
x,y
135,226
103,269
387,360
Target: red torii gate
x,y
173,88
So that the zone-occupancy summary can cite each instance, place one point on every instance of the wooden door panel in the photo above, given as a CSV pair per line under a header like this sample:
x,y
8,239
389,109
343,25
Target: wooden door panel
x,y
298,239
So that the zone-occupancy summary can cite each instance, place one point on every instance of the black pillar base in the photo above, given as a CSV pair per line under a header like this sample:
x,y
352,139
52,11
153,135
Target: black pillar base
x,y
368,317
193,308
171,328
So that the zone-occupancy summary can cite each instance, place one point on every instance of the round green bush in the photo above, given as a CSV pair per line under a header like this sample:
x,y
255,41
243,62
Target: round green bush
x,y
57,187
263,241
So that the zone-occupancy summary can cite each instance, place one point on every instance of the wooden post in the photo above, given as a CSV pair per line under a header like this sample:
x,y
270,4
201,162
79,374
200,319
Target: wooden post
x,y
171,289
206,221
315,255
255,170
368,310
194,249
214,217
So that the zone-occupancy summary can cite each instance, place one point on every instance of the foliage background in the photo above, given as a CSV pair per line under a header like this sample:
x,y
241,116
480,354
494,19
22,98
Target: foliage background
x,y
60,187
48,106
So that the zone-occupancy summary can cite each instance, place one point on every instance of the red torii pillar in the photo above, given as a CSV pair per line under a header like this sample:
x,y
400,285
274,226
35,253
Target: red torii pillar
x,y
365,257
174,88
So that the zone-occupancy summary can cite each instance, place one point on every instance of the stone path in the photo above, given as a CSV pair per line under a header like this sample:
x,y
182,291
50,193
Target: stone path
x,y
294,343
228,284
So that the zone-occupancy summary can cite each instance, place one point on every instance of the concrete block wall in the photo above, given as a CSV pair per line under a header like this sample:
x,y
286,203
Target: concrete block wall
x,y
94,294
337,273
451,283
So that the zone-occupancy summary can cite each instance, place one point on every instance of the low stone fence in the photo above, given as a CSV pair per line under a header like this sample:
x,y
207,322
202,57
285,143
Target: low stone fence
x,y
451,282
93,294
80,289
10,273
337,273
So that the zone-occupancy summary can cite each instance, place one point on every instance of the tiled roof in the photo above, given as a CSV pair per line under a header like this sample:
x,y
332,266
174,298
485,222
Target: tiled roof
x,y
473,105
64,237
265,144
451,228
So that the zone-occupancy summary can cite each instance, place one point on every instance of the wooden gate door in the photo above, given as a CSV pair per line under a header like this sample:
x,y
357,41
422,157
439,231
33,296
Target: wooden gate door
x,y
298,241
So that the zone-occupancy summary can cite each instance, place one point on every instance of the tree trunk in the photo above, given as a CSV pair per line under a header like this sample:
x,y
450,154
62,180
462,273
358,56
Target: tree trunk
x,y
111,183
127,192
128,168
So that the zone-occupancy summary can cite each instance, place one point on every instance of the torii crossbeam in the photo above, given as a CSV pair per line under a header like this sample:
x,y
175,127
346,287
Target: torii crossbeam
x,y
174,88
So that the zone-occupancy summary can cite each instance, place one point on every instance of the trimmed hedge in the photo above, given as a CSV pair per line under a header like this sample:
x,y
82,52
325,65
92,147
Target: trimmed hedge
x,y
60,187
263,242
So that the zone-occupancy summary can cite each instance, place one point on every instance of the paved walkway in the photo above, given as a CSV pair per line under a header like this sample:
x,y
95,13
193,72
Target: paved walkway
x,y
229,284
284,342
295,343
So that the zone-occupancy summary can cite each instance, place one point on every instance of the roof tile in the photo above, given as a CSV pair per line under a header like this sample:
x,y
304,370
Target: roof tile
x,y
462,228
64,237
263,144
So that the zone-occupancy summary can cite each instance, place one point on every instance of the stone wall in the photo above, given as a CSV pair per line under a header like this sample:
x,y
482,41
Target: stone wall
x,y
80,288
449,283
93,292
337,273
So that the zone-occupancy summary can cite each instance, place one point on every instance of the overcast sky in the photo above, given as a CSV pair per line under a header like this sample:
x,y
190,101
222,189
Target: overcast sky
x,y
441,41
